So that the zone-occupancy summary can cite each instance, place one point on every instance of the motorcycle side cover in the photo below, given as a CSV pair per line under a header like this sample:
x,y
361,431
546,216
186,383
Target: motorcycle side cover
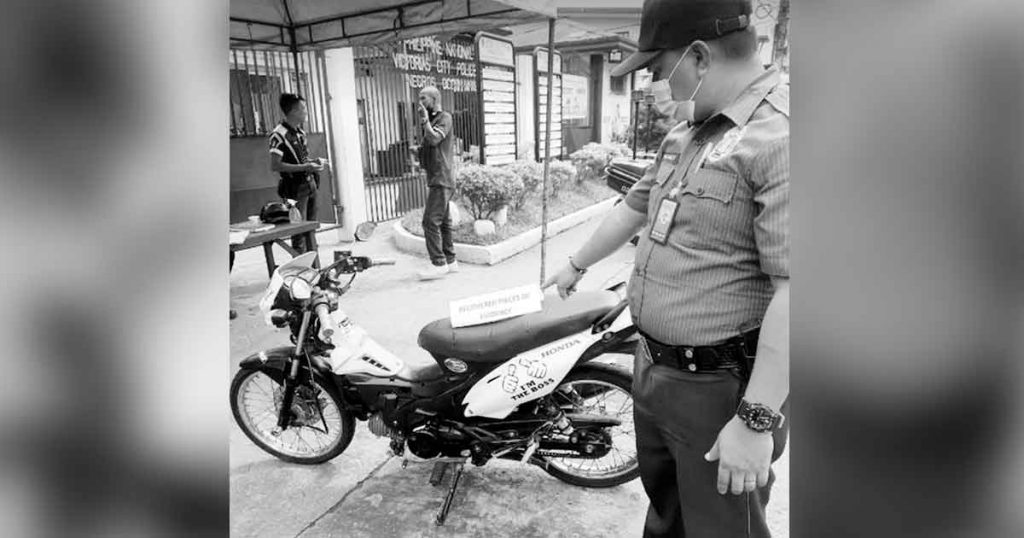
x,y
532,374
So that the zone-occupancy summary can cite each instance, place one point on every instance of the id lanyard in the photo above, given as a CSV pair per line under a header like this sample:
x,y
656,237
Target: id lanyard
x,y
668,206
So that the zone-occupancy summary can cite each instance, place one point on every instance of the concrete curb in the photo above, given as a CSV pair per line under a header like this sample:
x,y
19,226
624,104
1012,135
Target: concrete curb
x,y
496,253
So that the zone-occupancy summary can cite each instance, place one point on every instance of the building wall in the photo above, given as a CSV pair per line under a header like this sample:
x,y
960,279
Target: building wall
x,y
615,114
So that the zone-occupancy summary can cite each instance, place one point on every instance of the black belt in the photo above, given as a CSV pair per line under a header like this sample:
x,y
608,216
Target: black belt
x,y
737,352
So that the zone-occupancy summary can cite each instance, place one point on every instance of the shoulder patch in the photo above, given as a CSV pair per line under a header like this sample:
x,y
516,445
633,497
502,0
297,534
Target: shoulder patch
x,y
727,144
779,99
280,129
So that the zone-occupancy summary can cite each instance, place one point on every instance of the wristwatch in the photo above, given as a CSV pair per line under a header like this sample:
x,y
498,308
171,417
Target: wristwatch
x,y
758,417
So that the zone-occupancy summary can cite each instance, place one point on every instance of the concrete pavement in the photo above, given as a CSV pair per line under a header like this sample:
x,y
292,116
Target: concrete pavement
x,y
364,492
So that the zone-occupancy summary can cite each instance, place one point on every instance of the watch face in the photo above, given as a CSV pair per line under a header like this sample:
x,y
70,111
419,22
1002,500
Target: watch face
x,y
761,419
758,417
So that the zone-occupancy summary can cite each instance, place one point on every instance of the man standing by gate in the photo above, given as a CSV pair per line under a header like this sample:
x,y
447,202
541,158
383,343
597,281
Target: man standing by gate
x,y
289,156
710,290
436,158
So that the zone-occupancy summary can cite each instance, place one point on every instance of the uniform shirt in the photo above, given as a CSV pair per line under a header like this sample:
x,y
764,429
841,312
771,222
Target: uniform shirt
x,y
436,151
710,280
290,143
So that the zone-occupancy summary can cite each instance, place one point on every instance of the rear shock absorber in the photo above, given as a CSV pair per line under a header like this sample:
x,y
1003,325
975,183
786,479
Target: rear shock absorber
x,y
561,422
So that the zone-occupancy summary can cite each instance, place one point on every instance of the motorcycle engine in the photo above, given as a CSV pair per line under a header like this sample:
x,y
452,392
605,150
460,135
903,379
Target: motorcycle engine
x,y
377,425
429,441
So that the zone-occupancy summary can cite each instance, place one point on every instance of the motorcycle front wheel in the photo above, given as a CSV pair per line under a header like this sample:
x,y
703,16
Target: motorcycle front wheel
x,y
319,430
606,392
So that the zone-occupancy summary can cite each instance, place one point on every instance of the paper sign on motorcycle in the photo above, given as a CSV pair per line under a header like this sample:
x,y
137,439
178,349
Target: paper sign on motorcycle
x,y
496,306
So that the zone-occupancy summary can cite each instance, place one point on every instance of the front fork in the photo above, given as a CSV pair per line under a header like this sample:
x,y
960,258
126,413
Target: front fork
x,y
284,416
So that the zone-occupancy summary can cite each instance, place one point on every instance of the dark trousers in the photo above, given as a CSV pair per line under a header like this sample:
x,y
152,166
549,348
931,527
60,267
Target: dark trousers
x,y
437,226
306,199
677,416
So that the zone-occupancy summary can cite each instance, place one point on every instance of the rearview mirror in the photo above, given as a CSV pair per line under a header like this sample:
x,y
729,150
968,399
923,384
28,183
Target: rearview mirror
x,y
365,231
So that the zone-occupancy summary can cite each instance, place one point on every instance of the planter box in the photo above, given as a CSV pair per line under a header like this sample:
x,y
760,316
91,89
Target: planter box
x,y
498,252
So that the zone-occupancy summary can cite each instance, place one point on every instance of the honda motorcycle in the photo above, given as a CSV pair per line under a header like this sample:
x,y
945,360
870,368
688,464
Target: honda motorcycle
x,y
538,388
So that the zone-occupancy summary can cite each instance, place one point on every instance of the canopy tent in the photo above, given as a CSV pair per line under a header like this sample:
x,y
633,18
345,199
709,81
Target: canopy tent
x,y
309,25
316,24
536,34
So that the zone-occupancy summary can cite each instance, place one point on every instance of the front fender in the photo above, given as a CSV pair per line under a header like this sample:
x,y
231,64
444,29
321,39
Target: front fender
x,y
274,363
270,361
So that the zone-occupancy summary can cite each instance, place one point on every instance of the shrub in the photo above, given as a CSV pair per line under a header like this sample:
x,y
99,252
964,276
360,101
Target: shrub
x,y
591,159
531,174
485,189
560,174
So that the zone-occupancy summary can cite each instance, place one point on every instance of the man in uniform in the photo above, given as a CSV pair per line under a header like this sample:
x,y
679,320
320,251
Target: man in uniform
x,y
289,156
436,158
710,293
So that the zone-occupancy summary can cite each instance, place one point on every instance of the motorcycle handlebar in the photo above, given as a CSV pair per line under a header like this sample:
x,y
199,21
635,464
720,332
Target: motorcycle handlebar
x,y
384,261
326,327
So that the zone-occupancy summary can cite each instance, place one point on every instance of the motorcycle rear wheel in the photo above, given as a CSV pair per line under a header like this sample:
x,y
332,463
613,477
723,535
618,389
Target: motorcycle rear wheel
x,y
255,404
611,385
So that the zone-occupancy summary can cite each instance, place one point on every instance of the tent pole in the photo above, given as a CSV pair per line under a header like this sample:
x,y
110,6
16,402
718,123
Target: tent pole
x,y
295,62
547,150
293,46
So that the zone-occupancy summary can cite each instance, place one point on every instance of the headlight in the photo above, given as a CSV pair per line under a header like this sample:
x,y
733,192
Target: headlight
x,y
300,289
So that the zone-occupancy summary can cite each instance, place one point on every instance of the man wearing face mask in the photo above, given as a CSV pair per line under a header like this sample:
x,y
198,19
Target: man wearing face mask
x,y
710,290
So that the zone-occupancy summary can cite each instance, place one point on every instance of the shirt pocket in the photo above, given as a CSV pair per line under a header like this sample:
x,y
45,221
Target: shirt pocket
x,y
708,211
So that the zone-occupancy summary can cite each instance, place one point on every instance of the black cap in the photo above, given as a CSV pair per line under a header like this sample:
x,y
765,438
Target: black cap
x,y
674,24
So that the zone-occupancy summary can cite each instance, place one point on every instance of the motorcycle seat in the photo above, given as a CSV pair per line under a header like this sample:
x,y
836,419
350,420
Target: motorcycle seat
x,y
502,340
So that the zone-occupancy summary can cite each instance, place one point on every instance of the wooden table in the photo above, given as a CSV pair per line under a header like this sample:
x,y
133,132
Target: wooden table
x,y
277,235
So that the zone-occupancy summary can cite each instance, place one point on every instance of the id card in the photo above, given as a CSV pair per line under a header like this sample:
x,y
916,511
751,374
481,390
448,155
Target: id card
x,y
663,221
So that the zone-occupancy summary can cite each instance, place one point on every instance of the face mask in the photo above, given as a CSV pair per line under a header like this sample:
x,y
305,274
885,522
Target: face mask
x,y
662,91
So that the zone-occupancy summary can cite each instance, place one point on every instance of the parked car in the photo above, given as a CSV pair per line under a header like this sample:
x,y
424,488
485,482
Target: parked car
x,y
622,174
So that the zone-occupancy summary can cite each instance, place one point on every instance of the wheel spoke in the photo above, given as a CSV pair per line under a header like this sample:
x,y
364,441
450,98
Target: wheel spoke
x,y
611,401
258,408
263,416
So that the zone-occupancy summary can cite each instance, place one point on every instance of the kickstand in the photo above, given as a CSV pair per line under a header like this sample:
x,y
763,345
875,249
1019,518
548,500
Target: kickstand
x,y
435,478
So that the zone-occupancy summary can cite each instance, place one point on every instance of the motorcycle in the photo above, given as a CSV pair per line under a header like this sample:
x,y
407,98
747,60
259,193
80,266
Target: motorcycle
x,y
537,388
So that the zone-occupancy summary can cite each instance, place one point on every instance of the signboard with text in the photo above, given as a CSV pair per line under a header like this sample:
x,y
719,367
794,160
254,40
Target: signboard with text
x,y
497,83
447,65
540,77
496,306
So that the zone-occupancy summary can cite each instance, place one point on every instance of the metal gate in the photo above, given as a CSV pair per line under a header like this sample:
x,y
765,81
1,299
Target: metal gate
x,y
387,99
257,78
